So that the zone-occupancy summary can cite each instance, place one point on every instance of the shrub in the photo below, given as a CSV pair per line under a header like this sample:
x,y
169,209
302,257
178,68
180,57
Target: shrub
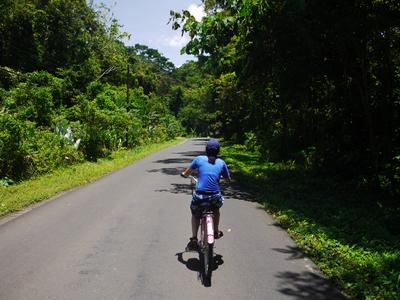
x,y
47,151
12,152
251,142
31,103
172,126
56,86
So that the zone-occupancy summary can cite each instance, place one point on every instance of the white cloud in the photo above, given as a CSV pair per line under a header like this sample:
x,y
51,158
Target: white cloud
x,y
178,41
175,41
197,11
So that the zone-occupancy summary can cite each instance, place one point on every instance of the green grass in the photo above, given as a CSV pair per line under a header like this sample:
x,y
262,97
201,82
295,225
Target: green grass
x,y
347,233
21,195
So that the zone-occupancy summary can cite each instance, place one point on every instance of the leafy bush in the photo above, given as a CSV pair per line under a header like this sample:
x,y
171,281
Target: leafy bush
x,y
26,151
135,132
104,127
31,103
172,126
47,151
251,142
12,152
6,181
56,86
8,77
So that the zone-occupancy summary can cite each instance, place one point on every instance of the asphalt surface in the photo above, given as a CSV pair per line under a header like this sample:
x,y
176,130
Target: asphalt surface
x,y
123,237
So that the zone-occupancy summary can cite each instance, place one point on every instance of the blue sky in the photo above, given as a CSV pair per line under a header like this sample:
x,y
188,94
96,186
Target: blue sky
x,y
146,21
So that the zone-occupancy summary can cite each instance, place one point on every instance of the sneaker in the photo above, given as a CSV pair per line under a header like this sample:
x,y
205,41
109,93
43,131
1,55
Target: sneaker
x,y
192,245
219,234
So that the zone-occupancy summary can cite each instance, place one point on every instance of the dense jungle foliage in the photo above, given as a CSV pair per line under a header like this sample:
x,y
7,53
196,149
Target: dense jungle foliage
x,y
70,90
316,82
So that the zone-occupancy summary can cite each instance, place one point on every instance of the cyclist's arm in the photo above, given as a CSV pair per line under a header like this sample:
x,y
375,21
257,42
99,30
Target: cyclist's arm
x,y
187,172
227,179
226,174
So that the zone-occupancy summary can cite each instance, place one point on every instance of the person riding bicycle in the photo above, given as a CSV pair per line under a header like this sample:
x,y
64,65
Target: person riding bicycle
x,y
210,169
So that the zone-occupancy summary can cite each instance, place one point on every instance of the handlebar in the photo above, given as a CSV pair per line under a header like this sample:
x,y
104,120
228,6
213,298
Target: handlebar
x,y
193,180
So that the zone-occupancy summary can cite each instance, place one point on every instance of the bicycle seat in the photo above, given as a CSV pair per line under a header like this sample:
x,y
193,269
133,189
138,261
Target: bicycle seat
x,y
207,209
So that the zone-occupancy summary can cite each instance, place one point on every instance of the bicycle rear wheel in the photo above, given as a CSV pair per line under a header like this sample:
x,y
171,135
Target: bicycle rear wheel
x,y
208,260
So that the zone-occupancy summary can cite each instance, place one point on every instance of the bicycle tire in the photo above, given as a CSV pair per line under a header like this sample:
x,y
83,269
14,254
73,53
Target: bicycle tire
x,y
208,259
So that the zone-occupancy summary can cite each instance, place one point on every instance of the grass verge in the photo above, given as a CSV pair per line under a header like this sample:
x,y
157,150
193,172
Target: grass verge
x,y
348,234
17,197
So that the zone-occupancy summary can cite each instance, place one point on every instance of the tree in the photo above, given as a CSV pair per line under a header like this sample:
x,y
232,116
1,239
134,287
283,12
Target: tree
x,y
301,75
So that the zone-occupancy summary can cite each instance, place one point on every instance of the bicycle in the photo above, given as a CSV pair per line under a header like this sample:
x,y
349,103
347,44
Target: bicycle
x,y
207,239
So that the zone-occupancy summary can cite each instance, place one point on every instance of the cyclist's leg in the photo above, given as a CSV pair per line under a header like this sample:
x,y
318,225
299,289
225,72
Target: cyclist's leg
x,y
195,226
196,210
195,222
217,215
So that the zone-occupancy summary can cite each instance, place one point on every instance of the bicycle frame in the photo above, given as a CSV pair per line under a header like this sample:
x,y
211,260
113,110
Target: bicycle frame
x,y
207,228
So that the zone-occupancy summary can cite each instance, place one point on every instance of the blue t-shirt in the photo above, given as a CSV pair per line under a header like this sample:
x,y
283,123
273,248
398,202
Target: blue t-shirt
x,y
209,173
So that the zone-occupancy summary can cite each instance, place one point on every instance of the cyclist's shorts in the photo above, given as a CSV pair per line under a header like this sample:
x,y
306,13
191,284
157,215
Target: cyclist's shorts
x,y
200,202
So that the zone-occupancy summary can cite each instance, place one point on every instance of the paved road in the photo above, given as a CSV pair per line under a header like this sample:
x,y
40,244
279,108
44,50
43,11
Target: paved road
x,y
123,237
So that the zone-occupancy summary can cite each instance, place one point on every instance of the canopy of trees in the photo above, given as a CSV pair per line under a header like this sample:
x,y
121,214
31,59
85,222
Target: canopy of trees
x,y
317,82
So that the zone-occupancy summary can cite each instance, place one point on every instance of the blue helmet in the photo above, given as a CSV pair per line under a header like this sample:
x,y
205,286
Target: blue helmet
x,y
212,148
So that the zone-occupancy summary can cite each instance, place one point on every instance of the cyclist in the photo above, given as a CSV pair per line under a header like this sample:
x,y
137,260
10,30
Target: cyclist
x,y
210,169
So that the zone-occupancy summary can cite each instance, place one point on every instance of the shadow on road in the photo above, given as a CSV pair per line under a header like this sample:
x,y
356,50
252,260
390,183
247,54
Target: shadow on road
x,y
233,191
174,161
194,264
168,171
307,285
190,154
177,188
186,159
294,252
